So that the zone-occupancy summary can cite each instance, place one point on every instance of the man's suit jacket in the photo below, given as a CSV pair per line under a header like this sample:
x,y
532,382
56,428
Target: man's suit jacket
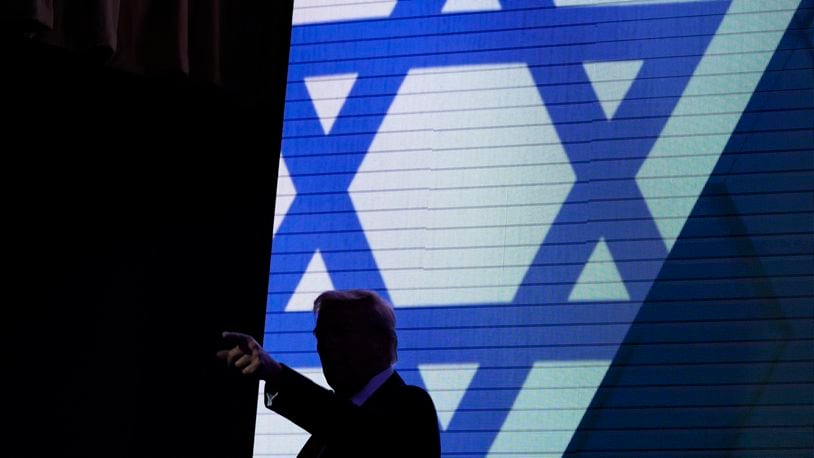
x,y
398,420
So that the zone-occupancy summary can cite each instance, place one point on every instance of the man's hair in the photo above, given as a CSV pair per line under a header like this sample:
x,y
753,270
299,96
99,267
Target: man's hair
x,y
372,314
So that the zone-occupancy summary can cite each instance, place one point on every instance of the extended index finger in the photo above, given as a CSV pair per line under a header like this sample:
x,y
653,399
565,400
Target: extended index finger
x,y
237,339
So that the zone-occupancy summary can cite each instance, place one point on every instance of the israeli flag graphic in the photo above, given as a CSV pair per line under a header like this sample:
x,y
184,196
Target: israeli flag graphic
x,y
511,175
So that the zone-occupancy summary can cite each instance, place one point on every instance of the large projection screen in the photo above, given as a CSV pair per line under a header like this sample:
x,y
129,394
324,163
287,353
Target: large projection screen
x,y
512,176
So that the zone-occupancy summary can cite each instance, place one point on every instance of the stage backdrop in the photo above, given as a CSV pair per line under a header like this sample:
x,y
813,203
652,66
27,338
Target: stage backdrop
x,y
594,217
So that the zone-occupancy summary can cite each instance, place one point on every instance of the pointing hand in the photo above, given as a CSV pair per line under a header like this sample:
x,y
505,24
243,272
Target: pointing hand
x,y
246,355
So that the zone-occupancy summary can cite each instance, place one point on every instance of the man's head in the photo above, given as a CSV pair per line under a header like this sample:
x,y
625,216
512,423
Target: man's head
x,y
356,337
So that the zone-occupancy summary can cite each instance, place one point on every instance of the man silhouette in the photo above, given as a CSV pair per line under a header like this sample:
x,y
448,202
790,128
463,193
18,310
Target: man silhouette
x,y
371,411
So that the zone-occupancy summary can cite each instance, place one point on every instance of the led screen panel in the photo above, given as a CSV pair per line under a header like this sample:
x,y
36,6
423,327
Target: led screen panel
x,y
512,176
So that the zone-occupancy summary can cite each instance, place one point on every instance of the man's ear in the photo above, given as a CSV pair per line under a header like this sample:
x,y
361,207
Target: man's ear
x,y
381,350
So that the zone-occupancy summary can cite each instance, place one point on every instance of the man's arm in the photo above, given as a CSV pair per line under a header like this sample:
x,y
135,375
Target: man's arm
x,y
310,406
407,428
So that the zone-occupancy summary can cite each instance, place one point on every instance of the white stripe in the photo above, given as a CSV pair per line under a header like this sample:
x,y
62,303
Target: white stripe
x,y
618,2
317,11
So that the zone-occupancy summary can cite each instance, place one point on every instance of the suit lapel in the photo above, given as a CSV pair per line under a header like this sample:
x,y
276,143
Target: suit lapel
x,y
316,447
384,391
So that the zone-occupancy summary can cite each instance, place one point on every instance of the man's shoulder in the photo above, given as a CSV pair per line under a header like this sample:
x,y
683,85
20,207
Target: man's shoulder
x,y
415,416
410,396
415,392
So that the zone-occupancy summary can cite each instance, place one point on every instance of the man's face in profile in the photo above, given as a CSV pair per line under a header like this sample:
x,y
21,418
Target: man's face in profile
x,y
350,355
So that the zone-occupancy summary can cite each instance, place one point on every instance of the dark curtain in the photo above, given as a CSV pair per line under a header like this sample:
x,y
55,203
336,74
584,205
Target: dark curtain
x,y
140,146
211,41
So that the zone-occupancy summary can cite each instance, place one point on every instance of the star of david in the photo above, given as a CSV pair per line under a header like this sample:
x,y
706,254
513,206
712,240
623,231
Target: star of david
x,y
604,205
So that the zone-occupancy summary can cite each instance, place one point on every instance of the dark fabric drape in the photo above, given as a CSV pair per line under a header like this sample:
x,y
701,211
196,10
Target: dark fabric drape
x,y
136,206
145,36
190,37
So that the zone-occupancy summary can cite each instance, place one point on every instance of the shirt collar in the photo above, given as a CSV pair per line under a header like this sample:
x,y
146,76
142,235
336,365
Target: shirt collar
x,y
374,384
